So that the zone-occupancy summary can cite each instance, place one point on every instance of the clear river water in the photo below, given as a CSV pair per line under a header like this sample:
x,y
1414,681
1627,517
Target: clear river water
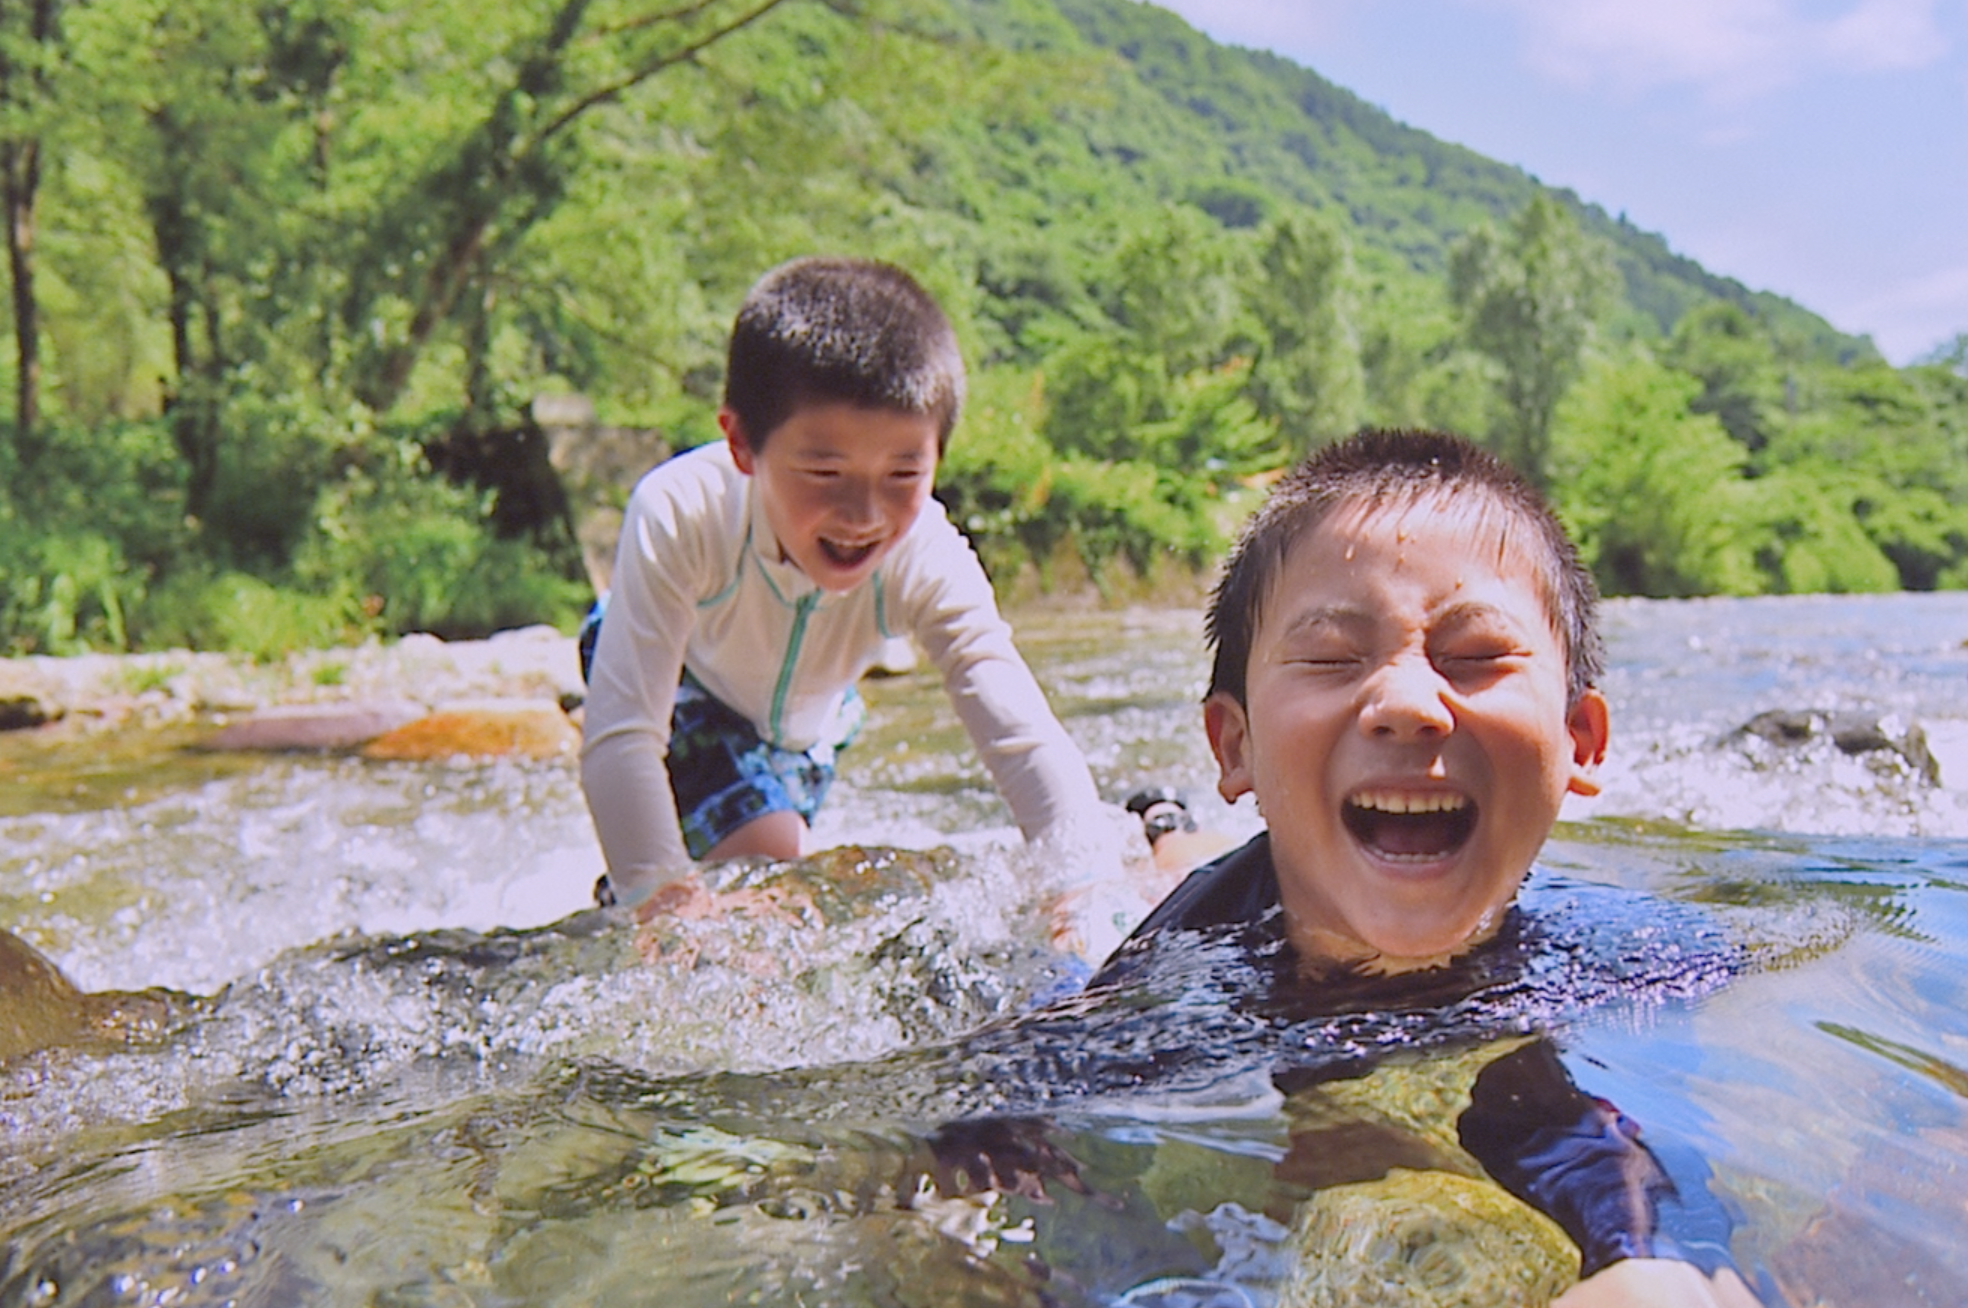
x,y
403,1063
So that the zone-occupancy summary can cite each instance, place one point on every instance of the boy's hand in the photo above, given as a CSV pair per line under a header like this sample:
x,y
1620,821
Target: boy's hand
x,y
687,896
1657,1283
1091,920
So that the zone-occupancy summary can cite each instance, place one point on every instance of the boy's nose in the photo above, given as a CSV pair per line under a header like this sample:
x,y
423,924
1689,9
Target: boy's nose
x,y
857,503
1404,701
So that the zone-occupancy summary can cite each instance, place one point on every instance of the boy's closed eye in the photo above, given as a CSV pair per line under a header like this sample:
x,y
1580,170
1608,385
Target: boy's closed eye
x,y
1334,639
1478,661
1327,653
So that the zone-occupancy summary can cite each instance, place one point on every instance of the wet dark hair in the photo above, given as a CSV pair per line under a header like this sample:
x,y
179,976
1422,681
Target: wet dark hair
x,y
1386,468
853,331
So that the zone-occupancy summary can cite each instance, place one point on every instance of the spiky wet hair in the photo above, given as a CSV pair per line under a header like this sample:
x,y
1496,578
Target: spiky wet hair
x,y
829,330
1377,469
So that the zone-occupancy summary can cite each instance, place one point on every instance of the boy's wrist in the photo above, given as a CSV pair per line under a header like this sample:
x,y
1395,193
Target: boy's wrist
x,y
1090,846
633,888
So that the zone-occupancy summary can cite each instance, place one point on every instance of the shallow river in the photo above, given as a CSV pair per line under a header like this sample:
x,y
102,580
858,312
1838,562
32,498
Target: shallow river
x,y
404,1065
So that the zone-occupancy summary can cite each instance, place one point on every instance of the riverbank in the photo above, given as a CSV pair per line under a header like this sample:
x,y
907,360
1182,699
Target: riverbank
x,y
90,692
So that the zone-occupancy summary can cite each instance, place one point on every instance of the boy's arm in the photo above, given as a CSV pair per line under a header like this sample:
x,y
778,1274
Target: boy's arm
x,y
945,599
631,694
1579,1160
1658,1283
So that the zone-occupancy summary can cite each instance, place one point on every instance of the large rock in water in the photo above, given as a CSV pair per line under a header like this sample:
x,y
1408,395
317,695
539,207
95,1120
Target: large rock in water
x,y
314,726
499,729
1410,1219
1426,1239
40,1008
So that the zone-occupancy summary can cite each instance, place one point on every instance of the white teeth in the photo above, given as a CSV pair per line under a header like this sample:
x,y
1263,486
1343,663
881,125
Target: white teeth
x,y
1398,801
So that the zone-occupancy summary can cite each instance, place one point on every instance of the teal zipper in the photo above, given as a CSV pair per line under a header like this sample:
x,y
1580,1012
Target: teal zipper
x,y
800,613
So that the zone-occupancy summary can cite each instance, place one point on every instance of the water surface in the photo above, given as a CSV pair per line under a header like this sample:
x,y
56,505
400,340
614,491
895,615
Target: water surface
x,y
414,1070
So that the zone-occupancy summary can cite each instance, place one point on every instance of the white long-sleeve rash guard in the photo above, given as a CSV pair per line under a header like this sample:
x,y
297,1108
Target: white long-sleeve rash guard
x,y
700,584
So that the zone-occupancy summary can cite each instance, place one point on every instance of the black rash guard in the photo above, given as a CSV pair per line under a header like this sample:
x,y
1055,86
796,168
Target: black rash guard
x,y
1573,1157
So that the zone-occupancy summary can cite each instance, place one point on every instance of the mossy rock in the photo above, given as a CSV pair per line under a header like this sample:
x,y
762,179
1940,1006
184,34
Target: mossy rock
x,y
40,1008
1426,1239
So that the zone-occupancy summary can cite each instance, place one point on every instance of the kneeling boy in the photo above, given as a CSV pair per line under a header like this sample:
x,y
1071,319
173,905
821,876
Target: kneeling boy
x,y
758,577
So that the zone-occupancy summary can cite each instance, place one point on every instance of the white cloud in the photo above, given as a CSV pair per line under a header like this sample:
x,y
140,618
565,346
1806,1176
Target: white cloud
x,y
1730,49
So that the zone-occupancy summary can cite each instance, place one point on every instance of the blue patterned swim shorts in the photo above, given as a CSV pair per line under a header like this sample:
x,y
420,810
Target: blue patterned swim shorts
x,y
724,775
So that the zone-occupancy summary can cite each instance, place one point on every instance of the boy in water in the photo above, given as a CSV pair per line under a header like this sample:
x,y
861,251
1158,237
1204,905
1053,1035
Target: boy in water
x,y
1405,656
758,577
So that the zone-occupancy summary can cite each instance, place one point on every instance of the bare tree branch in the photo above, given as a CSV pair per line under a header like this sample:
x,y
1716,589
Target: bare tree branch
x,y
610,90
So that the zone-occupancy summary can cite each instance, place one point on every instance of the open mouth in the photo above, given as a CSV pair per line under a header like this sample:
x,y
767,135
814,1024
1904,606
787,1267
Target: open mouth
x,y
1404,825
846,556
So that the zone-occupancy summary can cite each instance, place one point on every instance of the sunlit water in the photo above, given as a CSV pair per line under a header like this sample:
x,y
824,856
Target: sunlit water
x,y
409,1067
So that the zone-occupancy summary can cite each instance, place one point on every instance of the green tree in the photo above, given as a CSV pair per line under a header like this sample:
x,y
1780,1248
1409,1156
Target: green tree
x,y
205,146
30,48
1309,379
1950,354
1735,360
1173,291
1808,538
1176,345
465,206
1652,491
1531,301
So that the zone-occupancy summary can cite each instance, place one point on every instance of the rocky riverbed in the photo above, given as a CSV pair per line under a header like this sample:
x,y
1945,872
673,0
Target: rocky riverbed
x,y
391,682
99,730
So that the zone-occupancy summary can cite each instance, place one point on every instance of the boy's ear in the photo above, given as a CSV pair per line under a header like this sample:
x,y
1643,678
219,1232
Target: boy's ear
x,y
1589,727
742,453
1228,728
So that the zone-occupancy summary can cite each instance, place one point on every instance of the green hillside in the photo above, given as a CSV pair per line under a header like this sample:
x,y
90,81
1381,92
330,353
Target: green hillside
x,y
1234,131
294,275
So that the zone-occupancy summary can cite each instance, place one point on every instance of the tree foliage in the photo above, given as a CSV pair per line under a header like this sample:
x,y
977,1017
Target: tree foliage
x,y
297,272
1531,300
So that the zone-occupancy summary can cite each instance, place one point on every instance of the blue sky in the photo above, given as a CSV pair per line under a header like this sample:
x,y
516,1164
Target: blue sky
x,y
1816,148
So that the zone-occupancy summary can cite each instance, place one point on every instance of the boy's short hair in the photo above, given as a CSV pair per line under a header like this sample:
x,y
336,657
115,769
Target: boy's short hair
x,y
1389,468
854,331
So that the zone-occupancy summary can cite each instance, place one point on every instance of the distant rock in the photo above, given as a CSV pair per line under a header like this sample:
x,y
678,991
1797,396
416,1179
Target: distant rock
x,y
18,712
1854,732
597,466
498,729
29,697
314,726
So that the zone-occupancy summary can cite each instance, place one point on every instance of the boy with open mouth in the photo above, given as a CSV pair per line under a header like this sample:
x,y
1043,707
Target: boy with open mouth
x,y
759,576
1404,667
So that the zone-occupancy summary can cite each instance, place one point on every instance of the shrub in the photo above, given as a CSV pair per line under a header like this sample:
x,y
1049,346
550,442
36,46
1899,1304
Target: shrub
x,y
419,554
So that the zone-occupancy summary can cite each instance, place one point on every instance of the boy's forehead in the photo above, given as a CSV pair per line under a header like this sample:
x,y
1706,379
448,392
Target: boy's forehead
x,y
825,422
1478,527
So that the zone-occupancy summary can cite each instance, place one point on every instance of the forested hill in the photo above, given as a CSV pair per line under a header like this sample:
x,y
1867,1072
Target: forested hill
x,y
1232,130
287,281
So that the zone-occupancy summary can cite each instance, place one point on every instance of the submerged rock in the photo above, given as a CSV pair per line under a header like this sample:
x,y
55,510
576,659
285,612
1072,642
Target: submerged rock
x,y
510,729
1426,1239
40,1008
